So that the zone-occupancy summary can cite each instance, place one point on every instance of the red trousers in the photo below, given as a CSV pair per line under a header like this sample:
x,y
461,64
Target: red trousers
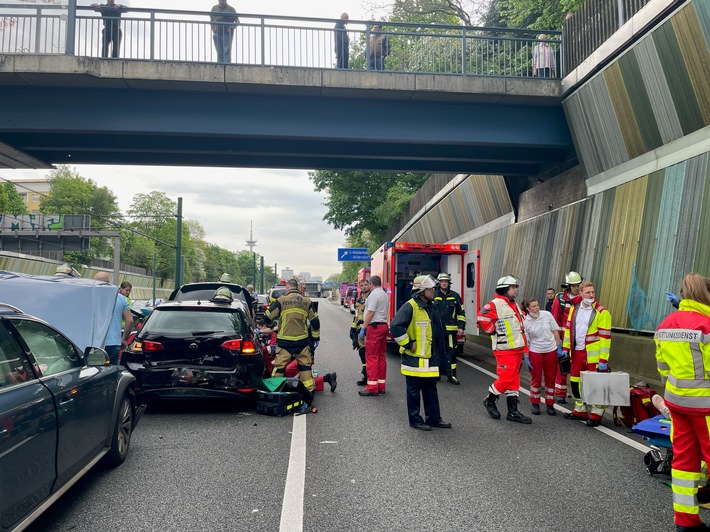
x,y
690,435
292,371
543,363
508,371
376,357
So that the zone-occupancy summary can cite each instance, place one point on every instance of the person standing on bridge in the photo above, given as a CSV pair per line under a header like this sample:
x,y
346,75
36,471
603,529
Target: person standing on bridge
x,y
453,316
224,22
418,330
544,62
342,42
292,339
111,34
502,319
375,323
683,360
587,340
379,45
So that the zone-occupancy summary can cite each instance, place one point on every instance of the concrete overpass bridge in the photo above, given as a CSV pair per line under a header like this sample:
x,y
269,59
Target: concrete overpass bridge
x,y
473,114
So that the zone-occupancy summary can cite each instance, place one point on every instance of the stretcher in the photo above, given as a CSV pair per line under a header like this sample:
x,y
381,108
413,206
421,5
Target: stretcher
x,y
657,431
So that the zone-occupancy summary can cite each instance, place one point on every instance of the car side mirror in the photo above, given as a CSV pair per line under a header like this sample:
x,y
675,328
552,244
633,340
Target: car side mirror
x,y
95,356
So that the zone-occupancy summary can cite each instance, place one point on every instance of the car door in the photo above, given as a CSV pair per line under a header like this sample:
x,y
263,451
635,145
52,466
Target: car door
x,y
28,435
83,395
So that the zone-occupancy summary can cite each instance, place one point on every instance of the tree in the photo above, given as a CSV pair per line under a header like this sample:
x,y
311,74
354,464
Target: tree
x,y
72,194
536,14
353,199
11,201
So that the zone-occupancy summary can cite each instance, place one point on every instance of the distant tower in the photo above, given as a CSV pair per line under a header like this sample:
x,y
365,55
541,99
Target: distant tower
x,y
251,243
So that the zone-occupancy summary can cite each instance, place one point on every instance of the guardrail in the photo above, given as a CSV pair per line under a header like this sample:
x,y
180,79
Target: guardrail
x,y
266,40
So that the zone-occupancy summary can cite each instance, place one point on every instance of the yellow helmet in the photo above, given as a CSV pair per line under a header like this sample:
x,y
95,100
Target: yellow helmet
x,y
225,278
64,269
222,295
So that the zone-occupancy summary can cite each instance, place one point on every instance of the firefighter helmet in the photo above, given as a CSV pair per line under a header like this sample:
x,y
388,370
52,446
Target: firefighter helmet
x,y
421,283
507,281
443,276
573,278
222,295
225,278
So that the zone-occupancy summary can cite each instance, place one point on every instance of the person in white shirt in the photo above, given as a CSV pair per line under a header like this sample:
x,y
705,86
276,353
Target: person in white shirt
x,y
375,323
543,339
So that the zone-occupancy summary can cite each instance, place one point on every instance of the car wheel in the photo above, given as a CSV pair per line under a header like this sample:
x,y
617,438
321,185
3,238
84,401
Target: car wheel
x,y
122,432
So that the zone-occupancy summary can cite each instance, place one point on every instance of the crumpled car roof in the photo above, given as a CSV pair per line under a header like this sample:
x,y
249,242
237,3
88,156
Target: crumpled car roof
x,y
79,308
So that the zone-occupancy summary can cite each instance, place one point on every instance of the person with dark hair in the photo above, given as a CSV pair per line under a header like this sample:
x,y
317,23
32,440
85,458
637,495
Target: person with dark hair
x,y
356,327
374,332
419,332
379,48
293,339
111,34
502,319
683,360
342,42
543,338
122,319
550,294
561,306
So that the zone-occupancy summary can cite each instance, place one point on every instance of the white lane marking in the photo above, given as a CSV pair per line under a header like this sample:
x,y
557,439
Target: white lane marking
x,y
619,437
292,506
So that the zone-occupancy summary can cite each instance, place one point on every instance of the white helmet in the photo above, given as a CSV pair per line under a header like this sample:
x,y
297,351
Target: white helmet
x,y
225,278
573,278
64,269
422,282
222,295
507,281
443,276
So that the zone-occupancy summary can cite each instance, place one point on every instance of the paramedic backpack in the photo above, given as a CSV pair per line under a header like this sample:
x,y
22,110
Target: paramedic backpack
x,y
640,408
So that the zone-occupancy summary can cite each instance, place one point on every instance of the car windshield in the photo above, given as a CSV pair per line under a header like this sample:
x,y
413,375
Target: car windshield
x,y
195,322
278,292
263,300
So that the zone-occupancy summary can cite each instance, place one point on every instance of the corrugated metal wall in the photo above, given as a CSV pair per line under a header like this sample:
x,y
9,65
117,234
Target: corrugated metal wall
x,y
658,91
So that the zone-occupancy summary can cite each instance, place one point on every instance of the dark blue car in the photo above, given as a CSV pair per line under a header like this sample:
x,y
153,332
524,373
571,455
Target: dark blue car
x,y
61,411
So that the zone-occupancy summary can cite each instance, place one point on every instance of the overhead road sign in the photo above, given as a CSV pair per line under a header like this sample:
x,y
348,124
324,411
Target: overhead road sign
x,y
353,255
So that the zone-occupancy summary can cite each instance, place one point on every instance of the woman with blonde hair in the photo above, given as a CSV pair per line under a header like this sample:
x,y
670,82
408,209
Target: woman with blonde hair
x,y
683,359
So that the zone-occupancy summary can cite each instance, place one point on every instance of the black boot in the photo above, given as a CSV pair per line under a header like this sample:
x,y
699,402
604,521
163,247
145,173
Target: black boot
x,y
513,414
331,378
490,404
551,410
363,381
535,409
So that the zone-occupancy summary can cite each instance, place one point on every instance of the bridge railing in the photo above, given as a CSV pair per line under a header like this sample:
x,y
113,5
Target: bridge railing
x,y
174,35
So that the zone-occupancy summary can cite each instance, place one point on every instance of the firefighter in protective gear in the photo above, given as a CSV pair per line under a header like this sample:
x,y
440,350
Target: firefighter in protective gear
x,y
450,307
502,319
296,315
358,320
587,340
418,330
561,306
225,278
222,295
683,360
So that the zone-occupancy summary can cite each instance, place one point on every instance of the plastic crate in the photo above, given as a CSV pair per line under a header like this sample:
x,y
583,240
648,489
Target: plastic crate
x,y
277,403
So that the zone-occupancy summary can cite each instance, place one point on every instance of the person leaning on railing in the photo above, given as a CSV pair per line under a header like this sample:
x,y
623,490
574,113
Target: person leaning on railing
x,y
379,48
544,62
224,22
111,34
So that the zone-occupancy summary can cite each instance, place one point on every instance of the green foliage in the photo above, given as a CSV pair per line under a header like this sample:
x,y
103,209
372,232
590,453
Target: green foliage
x,y
536,14
353,199
72,194
11,201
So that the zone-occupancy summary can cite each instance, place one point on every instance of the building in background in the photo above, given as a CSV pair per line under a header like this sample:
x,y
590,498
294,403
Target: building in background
x,y
287,273
31,192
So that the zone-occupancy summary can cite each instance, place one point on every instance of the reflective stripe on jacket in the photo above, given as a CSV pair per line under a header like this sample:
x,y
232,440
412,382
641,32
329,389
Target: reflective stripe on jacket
x,y
413,323
295,312
598,338
360,310
451,310
502,320
683,356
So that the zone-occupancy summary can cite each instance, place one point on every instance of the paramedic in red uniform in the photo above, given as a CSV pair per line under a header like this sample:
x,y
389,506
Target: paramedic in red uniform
x,y
683,359
501,318
375,323
560,309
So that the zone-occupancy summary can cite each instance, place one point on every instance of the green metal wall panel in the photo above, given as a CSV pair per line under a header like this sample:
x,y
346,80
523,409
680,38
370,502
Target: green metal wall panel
x,y
641,103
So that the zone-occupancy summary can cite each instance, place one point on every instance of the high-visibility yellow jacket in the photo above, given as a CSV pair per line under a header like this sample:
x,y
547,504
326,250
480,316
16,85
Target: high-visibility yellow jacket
x,y
451,309
598,337
413,324
360,310
683,357
295,313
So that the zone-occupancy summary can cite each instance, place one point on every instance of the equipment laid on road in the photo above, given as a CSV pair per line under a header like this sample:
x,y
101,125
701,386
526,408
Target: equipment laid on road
x,y
641,407
610,389
278,403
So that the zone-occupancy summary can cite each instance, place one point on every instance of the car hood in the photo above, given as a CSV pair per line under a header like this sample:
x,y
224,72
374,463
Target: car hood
x,y
79,308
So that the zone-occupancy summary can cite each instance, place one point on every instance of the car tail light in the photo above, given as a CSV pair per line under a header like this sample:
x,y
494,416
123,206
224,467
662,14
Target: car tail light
x,y
149,346
246,390
245,347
